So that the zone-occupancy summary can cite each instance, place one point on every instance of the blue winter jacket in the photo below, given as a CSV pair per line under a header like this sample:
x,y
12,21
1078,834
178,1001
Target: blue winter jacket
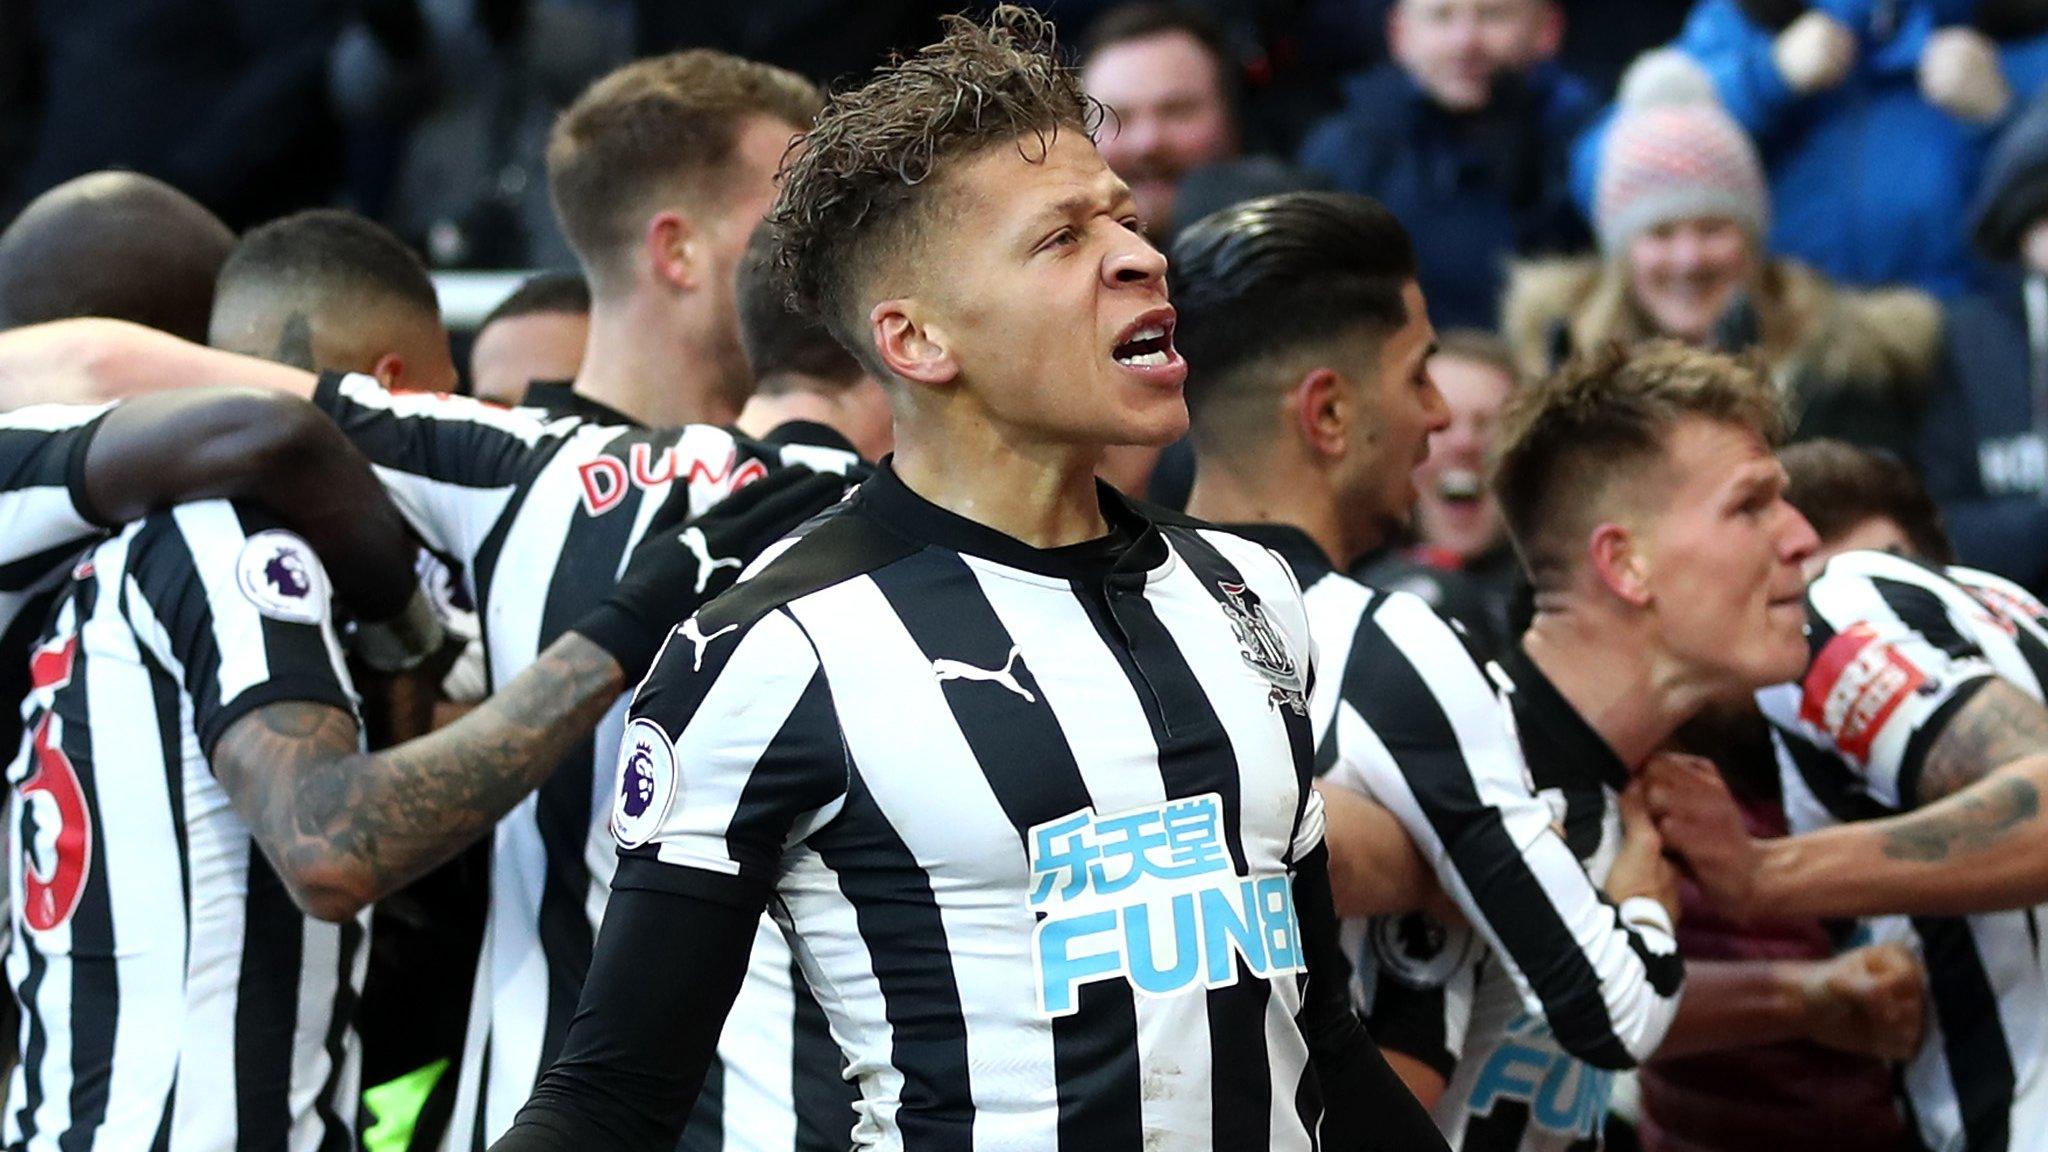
x,y
1870,183
1473,190
1983,456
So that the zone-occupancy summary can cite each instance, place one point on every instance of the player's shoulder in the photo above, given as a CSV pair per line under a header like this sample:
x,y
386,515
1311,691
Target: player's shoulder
x,y
218,550
340,392
2005,597
844,543
1849,575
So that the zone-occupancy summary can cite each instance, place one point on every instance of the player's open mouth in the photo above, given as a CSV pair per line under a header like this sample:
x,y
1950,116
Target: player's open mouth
x,y
1459,486
1148,342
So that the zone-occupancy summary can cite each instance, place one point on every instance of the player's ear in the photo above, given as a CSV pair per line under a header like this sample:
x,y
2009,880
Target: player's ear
x,y
1619,563
913,346
673,251
389,370
1320,410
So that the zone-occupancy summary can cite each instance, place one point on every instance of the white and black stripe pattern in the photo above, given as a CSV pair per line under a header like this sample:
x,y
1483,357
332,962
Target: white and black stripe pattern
x,y
43,527
1980,1080
1511,797
540,514
896,716
173,996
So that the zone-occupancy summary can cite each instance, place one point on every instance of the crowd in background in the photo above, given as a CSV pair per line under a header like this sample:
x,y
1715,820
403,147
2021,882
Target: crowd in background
x,y
1853,191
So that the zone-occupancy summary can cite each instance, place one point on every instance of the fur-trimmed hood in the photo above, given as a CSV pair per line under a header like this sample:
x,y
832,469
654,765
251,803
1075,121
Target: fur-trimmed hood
x,y
1885,341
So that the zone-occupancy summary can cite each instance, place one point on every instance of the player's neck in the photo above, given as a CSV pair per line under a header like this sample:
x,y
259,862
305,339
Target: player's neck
x,y
1613,679
1042,494
645,367
1227,493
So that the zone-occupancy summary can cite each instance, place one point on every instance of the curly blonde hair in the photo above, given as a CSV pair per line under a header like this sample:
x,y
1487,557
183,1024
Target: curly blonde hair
x,y
855,189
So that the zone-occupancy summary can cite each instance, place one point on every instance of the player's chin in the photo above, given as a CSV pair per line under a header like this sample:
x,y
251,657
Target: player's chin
x,y
1784,659
1153,421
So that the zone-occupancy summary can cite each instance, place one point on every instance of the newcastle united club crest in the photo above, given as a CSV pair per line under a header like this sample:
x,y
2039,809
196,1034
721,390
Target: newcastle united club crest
x,y
1263,648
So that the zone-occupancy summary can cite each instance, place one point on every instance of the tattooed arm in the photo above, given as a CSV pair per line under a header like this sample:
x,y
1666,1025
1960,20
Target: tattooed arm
x,y
1976,842
343,827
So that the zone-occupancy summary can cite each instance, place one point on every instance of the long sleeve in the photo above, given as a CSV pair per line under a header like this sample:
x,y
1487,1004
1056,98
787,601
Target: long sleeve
x,y
665,972
1365,1106
1438,749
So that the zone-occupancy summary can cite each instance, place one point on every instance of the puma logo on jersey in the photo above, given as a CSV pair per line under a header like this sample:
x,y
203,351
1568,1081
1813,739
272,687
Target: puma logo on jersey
x,y
699,641
693,539
945,670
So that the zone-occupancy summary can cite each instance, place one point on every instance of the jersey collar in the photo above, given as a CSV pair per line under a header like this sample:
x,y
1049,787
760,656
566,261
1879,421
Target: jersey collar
x,y
1133,548
1295,546
1557,742
560,398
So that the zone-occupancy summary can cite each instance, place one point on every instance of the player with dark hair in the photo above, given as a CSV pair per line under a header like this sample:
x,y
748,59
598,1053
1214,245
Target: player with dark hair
x,y
805,382
1024,773
536,333
327,290
1858,499
1312,404
659,172
115,244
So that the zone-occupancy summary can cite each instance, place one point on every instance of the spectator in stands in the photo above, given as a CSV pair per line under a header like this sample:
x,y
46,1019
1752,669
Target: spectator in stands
x,y
1984,444
1466,134
450,102
329,291
807,387
536,333
1171,88
1461,561
659,173
1682,214
113,244
1871,116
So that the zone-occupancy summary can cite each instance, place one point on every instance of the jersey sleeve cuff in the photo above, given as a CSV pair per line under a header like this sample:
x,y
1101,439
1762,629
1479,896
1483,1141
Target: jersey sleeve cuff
x,y
641,868
1649,918
309,689
74,473
327,393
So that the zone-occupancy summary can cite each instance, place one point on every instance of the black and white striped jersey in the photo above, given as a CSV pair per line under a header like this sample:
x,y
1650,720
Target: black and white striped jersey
x,y
1511,797
1897,648
539,514
43,527
1029,817
172,994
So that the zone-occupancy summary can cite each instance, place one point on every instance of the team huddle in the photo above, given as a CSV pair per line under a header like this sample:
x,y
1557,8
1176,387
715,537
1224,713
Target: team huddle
x,y
943,797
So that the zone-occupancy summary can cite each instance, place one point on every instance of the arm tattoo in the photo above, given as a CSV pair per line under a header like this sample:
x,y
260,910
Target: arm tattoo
x,y
1968,823
353,826
1997,726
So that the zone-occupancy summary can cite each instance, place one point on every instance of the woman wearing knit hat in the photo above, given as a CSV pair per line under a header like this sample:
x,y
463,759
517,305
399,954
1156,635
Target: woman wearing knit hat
x,y
1681,211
